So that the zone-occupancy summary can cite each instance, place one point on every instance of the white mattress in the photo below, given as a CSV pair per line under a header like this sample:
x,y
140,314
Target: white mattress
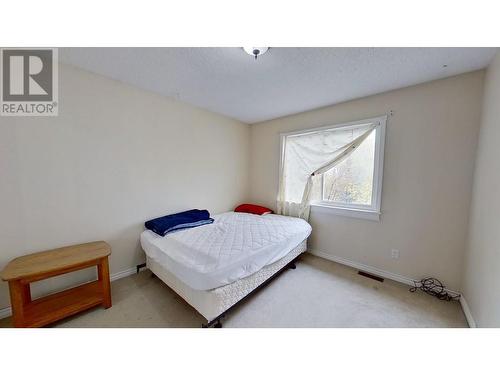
x,y
212,303
235,246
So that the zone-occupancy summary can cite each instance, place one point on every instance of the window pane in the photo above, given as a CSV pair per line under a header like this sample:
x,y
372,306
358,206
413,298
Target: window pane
x,y
351,181
305,153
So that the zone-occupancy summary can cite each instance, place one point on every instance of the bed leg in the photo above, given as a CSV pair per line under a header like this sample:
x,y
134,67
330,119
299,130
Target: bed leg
x,y
139,266
216,323
292,266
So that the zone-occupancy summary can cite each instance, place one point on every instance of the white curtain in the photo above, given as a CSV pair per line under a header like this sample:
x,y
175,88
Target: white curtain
x,y
306,157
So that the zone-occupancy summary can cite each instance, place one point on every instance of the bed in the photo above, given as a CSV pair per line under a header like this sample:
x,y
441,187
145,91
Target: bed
x,y
215,266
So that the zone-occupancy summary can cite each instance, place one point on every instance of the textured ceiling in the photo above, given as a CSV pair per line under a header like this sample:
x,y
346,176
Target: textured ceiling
x,y
284,81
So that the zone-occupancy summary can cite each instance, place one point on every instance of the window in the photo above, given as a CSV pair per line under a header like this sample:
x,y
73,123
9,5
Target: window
x,y
352,187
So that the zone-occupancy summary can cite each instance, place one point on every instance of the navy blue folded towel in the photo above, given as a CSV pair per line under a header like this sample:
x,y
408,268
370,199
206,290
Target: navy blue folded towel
x,y
182,220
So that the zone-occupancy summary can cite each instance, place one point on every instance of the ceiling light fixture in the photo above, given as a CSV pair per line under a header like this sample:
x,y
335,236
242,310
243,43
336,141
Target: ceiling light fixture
x,y
255,51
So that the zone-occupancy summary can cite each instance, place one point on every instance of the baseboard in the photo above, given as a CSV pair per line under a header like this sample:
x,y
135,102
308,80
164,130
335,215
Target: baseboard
x,y
467,312
364,267
391,276
4,313
122,274
7,311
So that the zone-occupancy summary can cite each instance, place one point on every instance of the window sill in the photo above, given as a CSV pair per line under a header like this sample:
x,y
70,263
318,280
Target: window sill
x,y
349,212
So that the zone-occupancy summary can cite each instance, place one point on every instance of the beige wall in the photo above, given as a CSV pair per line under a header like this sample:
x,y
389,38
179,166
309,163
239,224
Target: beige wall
x,y
115,157
482,262
429,158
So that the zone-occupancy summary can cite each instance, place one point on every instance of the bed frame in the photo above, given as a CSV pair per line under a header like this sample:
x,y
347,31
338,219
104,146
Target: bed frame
x,y
216,303
216,322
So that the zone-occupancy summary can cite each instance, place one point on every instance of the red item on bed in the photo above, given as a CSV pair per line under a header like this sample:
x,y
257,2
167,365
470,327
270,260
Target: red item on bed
x,y
253,209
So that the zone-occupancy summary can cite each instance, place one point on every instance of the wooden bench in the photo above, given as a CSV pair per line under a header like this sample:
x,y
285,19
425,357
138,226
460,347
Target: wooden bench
x,y
22,271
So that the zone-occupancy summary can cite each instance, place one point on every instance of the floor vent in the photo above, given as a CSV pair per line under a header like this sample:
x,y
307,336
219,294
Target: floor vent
x,y
370,276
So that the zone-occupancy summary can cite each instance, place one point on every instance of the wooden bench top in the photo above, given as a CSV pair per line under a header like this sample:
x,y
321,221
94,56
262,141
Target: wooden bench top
x,y
54,260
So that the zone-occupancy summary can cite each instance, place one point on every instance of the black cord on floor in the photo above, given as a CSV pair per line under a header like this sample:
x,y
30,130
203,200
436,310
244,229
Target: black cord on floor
x,y
435,288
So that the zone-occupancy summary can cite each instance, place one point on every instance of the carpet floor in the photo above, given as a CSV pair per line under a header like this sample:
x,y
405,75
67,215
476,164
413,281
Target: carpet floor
x,y
318,293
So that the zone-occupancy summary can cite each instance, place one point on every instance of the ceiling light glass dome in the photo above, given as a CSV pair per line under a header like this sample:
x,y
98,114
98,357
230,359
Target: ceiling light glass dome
x,y
256,51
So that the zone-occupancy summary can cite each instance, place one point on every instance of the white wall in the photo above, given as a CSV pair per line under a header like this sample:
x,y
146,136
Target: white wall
x,y
482,262
113,158
429,158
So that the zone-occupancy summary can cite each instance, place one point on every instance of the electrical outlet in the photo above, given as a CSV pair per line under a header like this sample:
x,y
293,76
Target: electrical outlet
x,y
395,254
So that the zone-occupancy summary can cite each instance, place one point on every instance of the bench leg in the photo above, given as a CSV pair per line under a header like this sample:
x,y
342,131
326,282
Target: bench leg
x,y
20,296
103,274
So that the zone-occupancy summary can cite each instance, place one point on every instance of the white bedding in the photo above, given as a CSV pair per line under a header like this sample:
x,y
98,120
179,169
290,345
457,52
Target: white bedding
x,y
236,245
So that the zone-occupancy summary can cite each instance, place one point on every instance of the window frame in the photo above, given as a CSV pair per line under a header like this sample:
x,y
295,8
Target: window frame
x,y
371,212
